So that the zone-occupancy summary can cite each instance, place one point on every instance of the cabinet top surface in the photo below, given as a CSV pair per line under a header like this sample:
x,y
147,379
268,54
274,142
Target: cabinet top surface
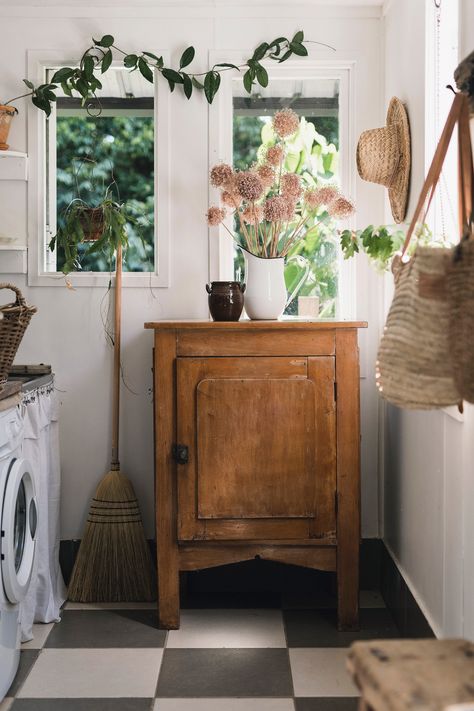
x,y
246,324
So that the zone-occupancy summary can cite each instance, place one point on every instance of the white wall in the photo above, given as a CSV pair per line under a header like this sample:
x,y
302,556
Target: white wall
x,y
67,332
428,482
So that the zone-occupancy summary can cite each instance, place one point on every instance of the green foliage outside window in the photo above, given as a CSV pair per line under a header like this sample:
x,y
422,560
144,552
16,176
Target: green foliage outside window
x,y
315,159
92,153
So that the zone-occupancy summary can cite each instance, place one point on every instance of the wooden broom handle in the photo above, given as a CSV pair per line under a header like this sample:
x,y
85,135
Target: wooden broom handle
x,y
115,465
436,166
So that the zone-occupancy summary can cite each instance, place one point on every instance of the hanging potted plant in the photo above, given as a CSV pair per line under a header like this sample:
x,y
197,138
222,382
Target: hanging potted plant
x,y
89,224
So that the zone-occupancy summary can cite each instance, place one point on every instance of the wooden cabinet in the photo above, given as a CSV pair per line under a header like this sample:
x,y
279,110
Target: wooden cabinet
x,y
257,447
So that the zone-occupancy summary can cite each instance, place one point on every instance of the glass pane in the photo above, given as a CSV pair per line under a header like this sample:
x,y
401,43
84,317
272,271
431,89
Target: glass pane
x,y
107,148
19,526
313,154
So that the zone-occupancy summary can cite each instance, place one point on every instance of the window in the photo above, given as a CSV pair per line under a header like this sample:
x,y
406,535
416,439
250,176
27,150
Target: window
x,y
321,92
313,154
111,147
104,149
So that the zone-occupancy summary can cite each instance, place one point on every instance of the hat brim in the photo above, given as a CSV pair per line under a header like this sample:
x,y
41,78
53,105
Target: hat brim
x,y
399,189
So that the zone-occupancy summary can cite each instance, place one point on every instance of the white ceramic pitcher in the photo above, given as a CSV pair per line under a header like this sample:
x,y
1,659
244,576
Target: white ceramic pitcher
x,y
266,297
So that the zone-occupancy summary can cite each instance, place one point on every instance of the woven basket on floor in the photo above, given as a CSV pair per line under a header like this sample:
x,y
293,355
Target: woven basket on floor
x,y
14,318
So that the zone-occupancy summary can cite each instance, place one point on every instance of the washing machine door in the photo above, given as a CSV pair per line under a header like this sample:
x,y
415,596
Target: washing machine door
x,y
18,530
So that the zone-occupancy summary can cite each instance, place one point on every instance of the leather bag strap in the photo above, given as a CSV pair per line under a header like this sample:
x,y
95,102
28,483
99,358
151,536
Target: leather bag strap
x,y
466,177
436,166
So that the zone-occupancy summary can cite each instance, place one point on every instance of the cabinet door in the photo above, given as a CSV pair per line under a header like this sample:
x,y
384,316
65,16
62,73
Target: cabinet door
x,y
261,439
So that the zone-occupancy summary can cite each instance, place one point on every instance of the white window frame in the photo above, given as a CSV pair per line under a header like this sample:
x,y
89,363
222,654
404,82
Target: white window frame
x,y
221,150
38,63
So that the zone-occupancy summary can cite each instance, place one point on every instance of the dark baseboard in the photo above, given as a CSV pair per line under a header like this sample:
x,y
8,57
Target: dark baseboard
x,y
378,571
405,610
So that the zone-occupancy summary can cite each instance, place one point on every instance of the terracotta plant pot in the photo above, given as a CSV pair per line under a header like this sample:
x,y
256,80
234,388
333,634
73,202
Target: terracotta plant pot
x,y
6,115
92,221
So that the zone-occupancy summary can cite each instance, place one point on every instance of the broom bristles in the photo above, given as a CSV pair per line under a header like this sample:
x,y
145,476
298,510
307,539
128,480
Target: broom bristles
x,y
113,563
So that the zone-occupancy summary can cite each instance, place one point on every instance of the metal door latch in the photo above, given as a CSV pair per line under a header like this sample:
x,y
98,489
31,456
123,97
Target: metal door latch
x,y
180,453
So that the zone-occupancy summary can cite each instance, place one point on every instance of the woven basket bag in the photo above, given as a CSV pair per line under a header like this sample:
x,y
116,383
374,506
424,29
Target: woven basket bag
x,y
460,281
414,366
14,319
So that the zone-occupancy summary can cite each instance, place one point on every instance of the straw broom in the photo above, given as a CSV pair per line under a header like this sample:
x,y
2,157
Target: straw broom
x,y
114,562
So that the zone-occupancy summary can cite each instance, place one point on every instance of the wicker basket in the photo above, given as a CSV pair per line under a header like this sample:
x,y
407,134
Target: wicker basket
x,y
14,318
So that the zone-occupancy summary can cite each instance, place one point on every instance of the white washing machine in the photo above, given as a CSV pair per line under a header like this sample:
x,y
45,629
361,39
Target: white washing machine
x,y
18,523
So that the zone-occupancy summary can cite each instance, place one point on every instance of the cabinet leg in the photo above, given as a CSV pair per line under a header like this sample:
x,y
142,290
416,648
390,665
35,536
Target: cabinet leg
x,y
168,597
348,594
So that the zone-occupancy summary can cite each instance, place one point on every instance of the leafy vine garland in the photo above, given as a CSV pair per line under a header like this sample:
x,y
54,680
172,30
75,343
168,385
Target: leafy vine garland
x,y
99,56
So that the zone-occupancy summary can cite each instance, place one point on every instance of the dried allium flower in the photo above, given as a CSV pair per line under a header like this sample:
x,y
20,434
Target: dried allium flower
x,y
291,185
231,199
290,208
249,185
215,215
275,209
266,174
285,123
320,196
221,174
341,208
275,155
253,215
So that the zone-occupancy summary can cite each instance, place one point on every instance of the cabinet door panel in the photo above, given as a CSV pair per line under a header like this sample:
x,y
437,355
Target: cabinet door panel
x,y
255,443
261,438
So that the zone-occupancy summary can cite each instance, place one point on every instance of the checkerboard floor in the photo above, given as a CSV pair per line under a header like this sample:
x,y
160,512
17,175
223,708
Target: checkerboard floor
x,y
113,657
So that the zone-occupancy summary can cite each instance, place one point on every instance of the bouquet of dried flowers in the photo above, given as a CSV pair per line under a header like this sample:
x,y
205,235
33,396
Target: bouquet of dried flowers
x,y
272,207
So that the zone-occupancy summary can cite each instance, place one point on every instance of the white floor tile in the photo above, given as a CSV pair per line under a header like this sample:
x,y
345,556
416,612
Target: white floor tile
x,y
371,598
228,628
40,635
5,704
82,673
321,672
223,705
110,605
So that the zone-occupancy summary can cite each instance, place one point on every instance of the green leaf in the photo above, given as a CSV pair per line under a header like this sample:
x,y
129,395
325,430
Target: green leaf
x,y
106,41
171,85
171,75
187,57
106,61
209,86
82,87
260,52
349,244
278,41
66,89
42,104
248,81
153,56
88,68
187,86
145,70
285,56
299,37
298,49
62,74
227,65
197,84
262,75
130,61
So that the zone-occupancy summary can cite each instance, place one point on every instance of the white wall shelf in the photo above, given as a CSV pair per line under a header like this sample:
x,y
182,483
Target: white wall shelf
x,y
13,165
13,259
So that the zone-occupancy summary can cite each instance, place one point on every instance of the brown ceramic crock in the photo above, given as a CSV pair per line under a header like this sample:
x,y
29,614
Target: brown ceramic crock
x,y
226,300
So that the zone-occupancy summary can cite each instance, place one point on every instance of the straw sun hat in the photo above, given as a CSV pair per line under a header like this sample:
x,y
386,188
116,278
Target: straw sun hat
x,y
384,157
